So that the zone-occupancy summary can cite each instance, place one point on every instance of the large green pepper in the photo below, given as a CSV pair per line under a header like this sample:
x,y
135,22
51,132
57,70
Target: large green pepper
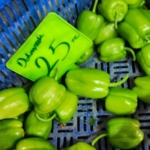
x,y
142,88
80,146
46,95
13,102
113,10
11,132
34,127
89,23
90,82
64,112
135,3
107,31
114,49
121,101
122,133
135,28
143,58
34,143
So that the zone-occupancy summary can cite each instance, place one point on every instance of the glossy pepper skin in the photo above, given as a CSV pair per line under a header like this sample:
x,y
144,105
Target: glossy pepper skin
x,y
86,56
135,3
34,143
135,28
80,146
142,88
64,112
46,95
89,82
106,32
11,131
13,102
89,23
143,58
35,127
121,101
113,10
119,129
122,133
114,49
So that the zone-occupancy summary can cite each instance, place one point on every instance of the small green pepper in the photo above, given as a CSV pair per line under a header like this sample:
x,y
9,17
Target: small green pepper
x,y
13,102
122,133
113,10
135,28
89,23
121,101
34,143
90,82
35,127
107,31
114,49
11,131
142,88
135,3
80,146
86,56
143,58
46,95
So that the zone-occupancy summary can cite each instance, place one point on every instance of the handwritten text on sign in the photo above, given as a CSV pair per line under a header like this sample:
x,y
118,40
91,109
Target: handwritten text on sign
x,y
54,44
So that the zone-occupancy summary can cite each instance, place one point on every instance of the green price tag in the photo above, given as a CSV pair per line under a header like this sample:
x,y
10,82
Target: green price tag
x,y
54,44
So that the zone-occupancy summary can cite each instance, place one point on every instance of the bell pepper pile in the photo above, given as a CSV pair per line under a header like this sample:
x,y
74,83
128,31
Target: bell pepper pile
x,y
115,27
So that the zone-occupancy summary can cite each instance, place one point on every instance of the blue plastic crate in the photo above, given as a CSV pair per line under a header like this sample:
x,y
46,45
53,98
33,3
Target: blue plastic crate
x,y
18,19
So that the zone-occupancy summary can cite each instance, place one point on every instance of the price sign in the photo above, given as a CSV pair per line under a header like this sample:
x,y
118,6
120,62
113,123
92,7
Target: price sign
x,y
54,44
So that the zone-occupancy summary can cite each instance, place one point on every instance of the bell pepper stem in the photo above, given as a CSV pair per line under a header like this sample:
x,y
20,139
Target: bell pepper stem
x,y
132,52
56,75
116,20
98,137
120,82
45,120
95,6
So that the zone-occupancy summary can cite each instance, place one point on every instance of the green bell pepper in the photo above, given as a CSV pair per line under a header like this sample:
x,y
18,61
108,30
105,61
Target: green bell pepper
x,y
107,31
80,146
64,112
13,102
143,58
114,49
135,3
35,127
121,101
34,143
90,82
142,88
135,28
122,133
46,94
89,23
113,10
86,56
11,131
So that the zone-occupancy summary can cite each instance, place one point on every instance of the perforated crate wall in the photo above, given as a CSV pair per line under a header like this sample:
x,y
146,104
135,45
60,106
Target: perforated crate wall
x,y
18,19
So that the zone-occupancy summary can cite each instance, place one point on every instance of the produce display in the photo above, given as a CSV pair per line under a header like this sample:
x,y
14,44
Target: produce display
x,y
118,30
